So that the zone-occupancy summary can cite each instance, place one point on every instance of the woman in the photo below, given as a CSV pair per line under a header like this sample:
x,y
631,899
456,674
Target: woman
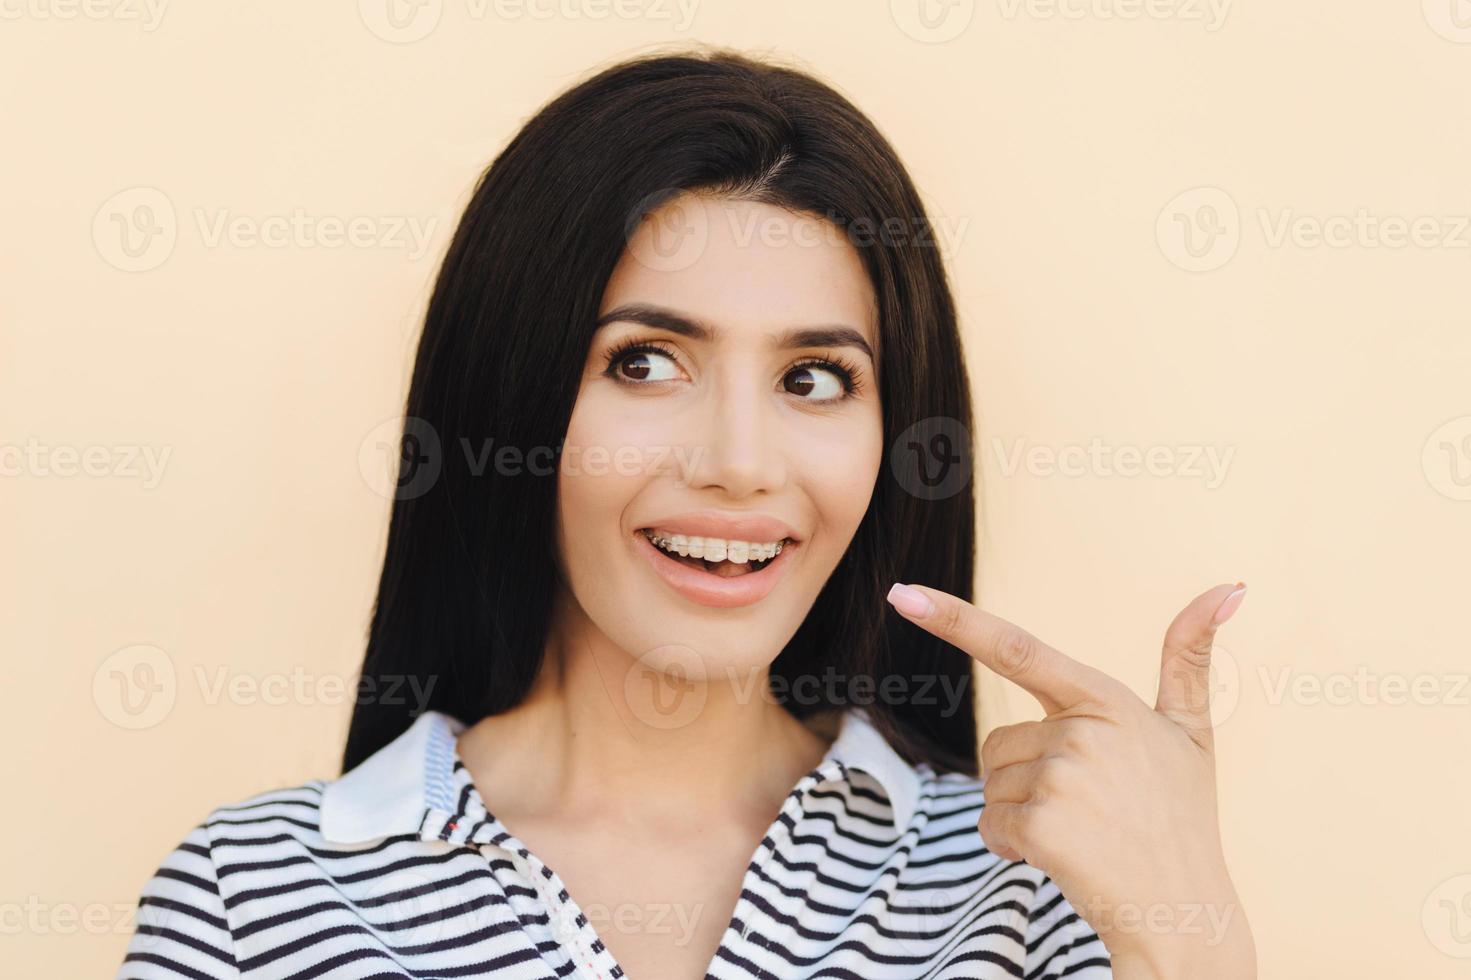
x,y
687,386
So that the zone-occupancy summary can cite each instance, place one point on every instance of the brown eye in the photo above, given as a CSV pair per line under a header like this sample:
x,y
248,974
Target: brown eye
x,y
641,364
636,366
807,379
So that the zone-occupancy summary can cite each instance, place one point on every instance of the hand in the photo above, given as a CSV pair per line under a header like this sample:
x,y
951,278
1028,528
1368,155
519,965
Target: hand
x,y
1113,799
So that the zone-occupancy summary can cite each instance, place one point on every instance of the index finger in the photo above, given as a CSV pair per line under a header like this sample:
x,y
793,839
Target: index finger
x,y
1056,680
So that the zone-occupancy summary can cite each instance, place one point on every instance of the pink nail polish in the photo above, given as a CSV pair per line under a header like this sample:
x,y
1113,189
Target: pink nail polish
x,y
1229,606
910,602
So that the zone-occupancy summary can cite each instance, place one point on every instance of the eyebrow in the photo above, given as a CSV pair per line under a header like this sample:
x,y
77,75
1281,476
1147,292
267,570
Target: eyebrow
x,y
835,335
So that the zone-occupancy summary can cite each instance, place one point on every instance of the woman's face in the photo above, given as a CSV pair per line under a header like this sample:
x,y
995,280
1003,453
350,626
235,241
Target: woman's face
x,y
729,400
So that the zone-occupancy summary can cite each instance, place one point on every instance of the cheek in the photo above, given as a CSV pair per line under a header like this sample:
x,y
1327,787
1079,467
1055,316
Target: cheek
x,y
608,456
840,469
588,485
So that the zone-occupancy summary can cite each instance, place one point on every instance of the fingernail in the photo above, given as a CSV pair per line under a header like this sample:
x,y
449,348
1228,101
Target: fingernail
x,y
910,602
1229,606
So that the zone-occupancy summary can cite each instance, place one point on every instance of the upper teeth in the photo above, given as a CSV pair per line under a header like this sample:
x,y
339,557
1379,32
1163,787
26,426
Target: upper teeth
x,y
716,549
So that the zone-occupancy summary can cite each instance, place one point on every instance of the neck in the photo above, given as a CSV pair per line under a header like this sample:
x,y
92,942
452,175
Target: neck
x,y
601,733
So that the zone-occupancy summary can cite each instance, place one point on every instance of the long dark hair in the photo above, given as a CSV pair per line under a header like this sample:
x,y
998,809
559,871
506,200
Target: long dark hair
x,y
469,573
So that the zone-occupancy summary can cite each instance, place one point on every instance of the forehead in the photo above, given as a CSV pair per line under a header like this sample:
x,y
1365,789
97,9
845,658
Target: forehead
x,y
745,268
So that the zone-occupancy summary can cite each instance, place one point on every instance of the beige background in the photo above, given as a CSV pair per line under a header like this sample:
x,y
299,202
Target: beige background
x,y
1065,151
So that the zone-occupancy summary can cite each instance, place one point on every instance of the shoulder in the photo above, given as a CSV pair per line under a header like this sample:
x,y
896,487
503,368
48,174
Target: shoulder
x,y
272,815
215,846
182,922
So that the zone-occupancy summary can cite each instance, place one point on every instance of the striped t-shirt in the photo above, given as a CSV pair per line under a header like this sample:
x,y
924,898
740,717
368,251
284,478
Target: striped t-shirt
x,y
873,869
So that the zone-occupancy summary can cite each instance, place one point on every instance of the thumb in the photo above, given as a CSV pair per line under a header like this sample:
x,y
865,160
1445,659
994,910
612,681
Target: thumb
x,y
1184,673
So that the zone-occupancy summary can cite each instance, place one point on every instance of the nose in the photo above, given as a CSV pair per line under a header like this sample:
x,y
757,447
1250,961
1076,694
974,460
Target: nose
x,y
738,446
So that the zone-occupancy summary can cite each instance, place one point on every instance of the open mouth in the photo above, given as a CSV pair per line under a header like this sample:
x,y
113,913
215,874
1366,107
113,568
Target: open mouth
x,y
726,559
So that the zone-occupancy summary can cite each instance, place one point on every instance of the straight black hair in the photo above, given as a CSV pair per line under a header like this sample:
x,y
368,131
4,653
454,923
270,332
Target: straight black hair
x,y
464,601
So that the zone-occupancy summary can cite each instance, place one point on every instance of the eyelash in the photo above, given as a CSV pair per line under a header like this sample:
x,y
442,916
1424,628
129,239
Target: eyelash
x,y
847,372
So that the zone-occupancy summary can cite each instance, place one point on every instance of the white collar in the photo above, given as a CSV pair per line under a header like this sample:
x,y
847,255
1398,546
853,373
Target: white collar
x,y
399,788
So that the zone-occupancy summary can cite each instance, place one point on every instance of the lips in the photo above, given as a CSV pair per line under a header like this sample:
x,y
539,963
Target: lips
x,y
707,588
730,526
